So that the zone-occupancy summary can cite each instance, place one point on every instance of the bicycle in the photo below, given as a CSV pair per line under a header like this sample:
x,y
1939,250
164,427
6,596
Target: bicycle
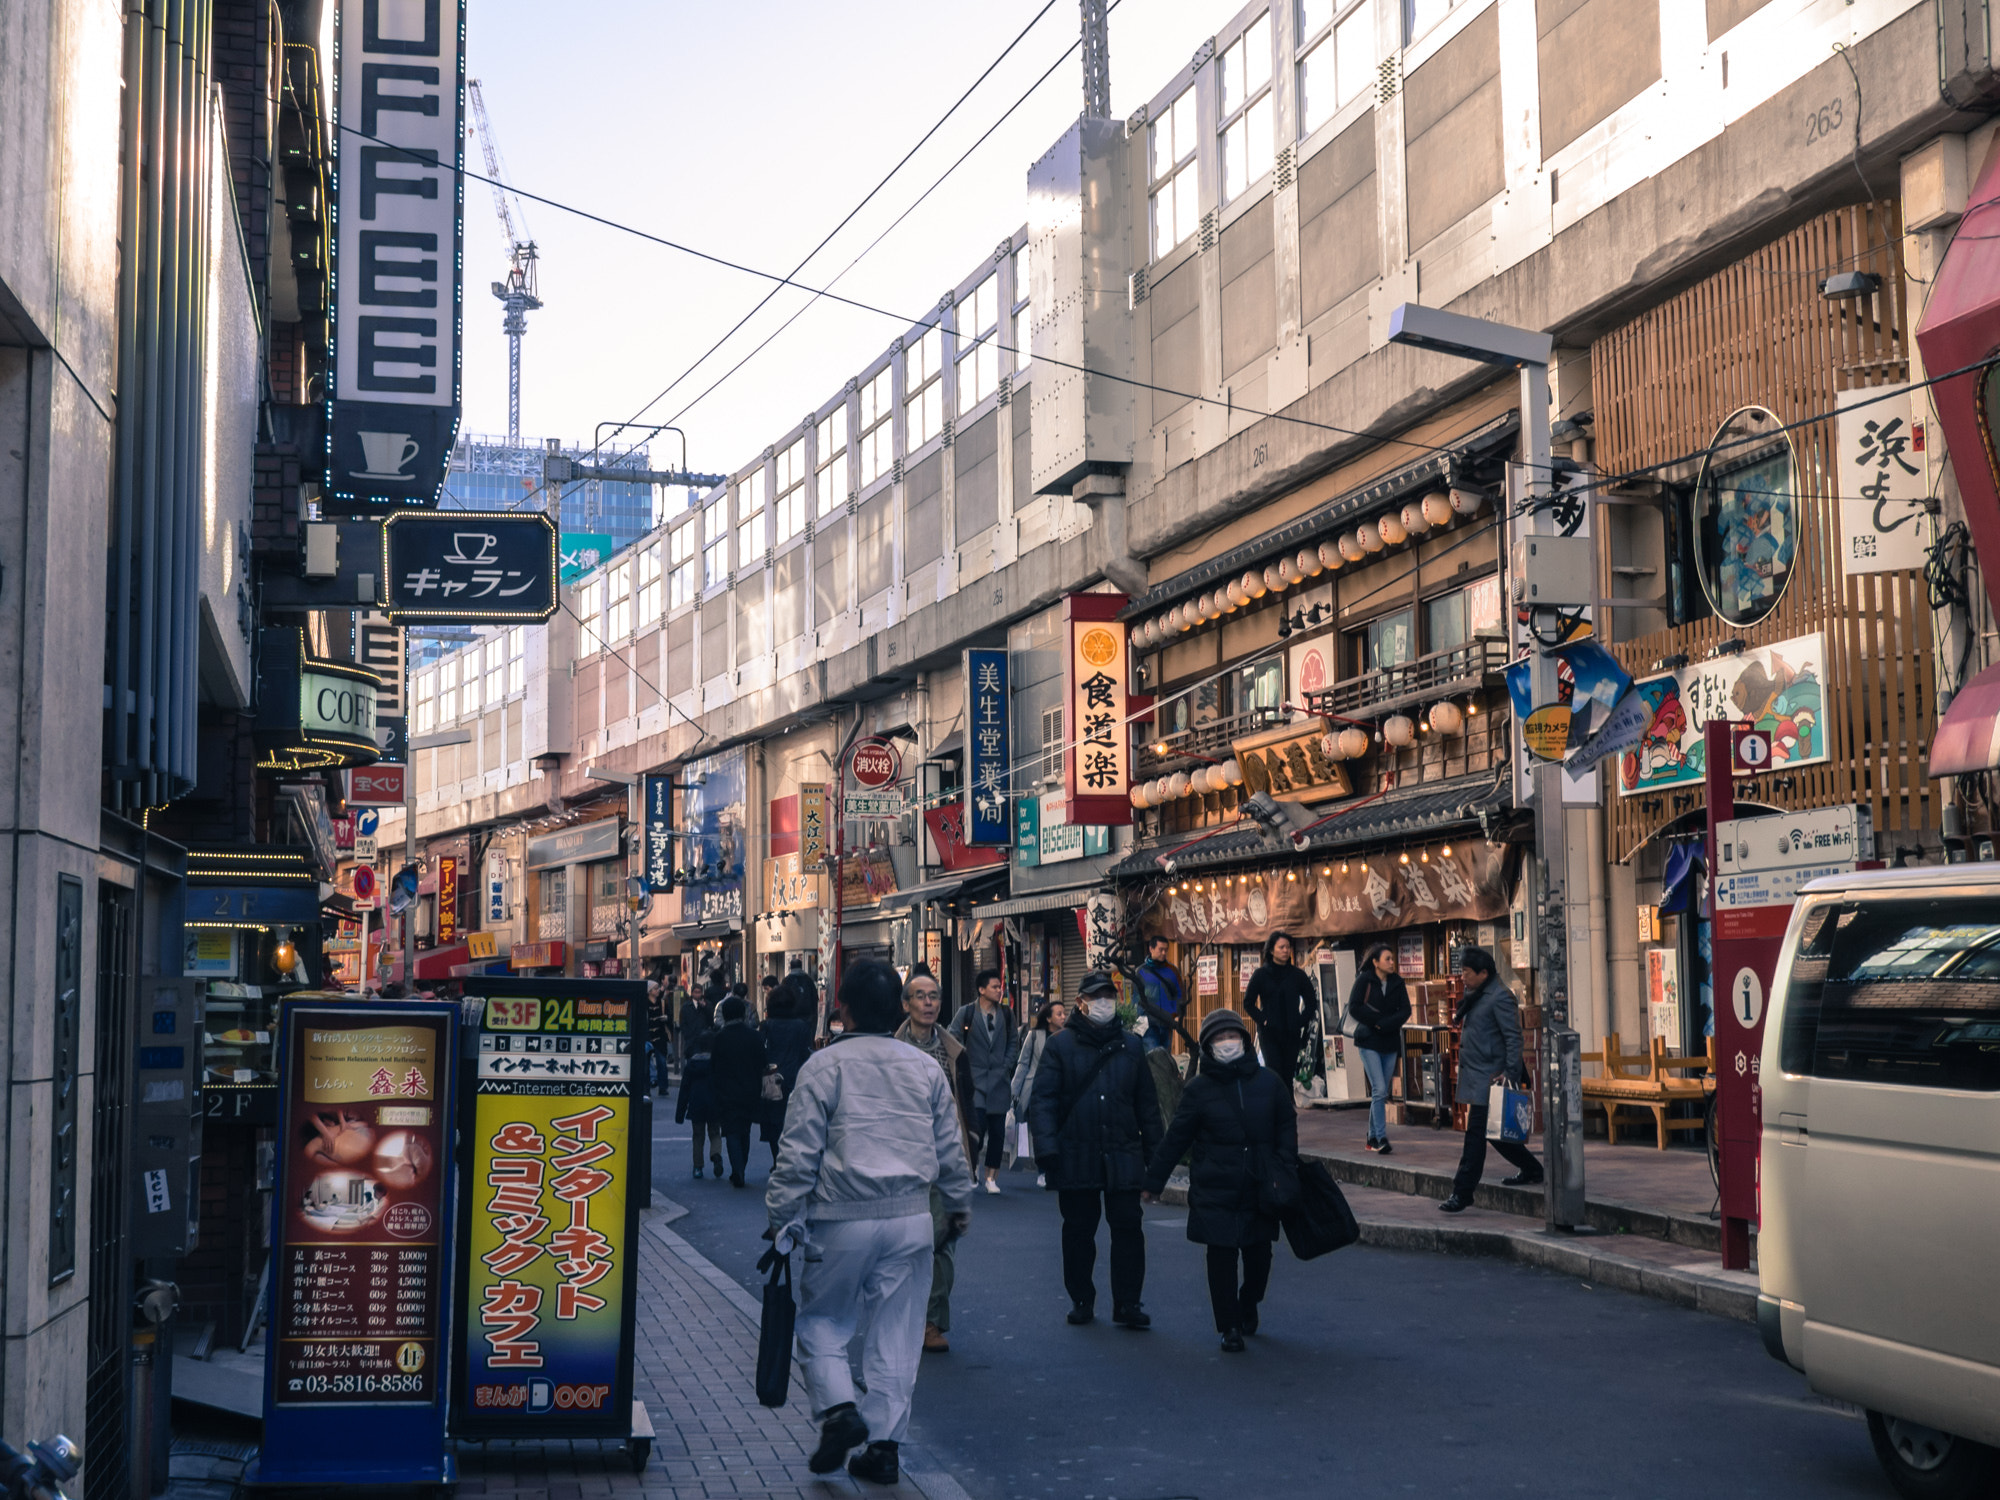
x,y
41,1472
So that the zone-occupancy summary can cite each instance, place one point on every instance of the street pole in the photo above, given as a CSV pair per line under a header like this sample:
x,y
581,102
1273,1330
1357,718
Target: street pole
x,y
838,858
1556,915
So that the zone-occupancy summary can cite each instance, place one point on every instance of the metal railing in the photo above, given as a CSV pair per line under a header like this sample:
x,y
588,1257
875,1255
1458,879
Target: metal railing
x,y
1204,742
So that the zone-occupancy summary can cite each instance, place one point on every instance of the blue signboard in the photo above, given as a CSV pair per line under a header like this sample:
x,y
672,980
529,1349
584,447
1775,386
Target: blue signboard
x,y
659,833
355,1387
988,748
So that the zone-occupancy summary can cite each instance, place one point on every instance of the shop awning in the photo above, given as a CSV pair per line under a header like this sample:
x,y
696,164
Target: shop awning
x,y
698,932
1968,739
1960,328
937,892
437,963
1022,906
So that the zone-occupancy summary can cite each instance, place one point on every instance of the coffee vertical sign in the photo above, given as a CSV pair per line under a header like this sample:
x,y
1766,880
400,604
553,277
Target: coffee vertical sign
x,y
393,366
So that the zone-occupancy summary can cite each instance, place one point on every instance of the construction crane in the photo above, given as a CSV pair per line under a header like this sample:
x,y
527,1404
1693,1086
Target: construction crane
x,y
517,292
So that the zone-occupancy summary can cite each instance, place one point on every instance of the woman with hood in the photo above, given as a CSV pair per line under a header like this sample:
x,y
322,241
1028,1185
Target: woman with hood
x,y
1280,1000
1240,1121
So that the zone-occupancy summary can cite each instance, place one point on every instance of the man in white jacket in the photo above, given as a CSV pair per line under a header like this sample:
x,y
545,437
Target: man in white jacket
x,y
869,1129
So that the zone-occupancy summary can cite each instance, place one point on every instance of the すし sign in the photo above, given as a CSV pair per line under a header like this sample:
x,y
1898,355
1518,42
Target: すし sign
x,y
1097,765
546,1283
1779,690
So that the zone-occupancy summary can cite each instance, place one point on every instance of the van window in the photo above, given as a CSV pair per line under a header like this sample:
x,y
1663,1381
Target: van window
x,y
1804,993
1910,994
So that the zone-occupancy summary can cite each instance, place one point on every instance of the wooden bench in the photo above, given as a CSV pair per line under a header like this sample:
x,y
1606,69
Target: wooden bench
x,y
1649,1080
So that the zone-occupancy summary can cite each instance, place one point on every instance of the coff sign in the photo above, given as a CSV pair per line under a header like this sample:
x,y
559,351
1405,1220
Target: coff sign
x,y
875,763
393,364
337,706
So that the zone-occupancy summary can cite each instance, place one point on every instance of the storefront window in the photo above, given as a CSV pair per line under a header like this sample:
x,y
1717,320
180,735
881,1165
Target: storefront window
x,y
1747,517
607,910
1387,642
552,905
1260,687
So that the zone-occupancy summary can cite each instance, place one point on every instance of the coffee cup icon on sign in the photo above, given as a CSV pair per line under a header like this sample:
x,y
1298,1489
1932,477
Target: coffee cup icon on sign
x,y
385,454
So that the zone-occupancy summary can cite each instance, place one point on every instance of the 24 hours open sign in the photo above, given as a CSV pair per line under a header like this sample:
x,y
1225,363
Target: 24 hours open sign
x,y
547,1217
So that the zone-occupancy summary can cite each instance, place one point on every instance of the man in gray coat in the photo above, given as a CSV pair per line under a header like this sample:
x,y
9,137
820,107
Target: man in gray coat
x,y
1489,1047
992,1046
870,1129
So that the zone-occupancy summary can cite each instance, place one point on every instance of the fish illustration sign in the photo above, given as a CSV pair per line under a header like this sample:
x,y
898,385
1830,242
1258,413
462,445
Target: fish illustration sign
x,y
1779,689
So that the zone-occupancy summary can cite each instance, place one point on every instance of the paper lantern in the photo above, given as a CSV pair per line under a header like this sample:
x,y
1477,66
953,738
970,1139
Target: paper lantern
x,y
1446,718
1437,508
1206,781
1466,502
1330,746
1183,617
1399,731
1139,797
1308,563
1368,537
1231,773
1390,527
1290,571
1350,547
1253,584
1415,522
1177,784
1237,595
1329,554
1274,580
1204,609
1353,743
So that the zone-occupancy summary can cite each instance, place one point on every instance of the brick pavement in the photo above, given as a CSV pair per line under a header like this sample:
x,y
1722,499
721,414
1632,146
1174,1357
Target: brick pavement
x,y
695,1358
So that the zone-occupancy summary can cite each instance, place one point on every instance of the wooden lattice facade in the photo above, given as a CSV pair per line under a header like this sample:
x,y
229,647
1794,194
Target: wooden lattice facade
x,y
1761,333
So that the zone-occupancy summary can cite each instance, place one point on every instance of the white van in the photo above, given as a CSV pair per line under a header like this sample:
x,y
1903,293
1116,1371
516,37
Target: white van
x,y
1880,1176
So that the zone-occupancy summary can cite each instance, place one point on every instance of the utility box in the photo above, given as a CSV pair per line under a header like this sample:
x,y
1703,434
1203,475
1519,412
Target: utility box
x,y
1554,572
166,1119
1080,233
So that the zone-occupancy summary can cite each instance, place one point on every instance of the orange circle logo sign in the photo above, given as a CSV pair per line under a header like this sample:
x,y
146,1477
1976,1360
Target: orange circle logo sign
x,y
1099,646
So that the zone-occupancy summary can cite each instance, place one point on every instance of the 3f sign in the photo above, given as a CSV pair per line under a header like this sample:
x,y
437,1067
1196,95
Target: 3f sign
x,y
394,381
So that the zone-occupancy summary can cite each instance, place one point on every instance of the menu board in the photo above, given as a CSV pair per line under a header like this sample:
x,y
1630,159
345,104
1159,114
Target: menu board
x,y
547,1286
358,1281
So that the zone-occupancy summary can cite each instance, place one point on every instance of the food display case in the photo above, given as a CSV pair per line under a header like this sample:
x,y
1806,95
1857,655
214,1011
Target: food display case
x,y
239,1053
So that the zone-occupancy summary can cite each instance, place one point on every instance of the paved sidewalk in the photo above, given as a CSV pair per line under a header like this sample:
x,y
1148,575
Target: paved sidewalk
x,y
695,1358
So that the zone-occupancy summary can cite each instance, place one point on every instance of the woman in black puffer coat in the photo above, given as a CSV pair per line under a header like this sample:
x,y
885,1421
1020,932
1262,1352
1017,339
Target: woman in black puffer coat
x,y
1240,1120
1280,1000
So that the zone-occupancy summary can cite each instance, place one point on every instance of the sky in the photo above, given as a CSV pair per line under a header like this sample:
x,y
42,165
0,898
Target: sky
x,y
749,131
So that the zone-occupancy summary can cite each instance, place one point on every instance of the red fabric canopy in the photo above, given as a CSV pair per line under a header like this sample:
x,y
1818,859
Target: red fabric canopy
x,y
1961,327
1969,737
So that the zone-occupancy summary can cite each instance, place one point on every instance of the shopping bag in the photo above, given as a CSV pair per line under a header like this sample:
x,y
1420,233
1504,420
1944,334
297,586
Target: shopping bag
x,y
1024,1143
1510,1112
774,1337
1320,1221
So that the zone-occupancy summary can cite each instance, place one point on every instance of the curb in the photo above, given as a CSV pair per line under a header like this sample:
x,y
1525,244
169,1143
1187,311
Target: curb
x,y
1614,1218
1682,1286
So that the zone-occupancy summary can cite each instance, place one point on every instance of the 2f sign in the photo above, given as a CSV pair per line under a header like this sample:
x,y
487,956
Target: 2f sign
x,y
394,361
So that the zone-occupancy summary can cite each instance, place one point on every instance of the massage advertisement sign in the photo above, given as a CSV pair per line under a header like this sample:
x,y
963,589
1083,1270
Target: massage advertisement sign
x,y
1780,689
548,1216
361,1235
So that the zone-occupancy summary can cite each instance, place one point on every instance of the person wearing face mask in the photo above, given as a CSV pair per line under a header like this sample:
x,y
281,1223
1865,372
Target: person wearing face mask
x,y
1241,1124
1095,1119
1280,999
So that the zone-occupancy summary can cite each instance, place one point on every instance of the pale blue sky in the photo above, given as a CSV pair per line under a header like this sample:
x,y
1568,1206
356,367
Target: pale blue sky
x,y
749,131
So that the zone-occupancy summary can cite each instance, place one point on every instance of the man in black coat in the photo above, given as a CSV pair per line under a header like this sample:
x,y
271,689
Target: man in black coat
x,y
736,1081
1095,1118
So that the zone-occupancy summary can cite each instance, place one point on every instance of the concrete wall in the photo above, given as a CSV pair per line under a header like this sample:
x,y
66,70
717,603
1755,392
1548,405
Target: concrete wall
x,y
60,63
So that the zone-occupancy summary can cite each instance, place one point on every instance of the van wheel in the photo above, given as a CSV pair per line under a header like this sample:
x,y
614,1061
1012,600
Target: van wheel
x,y
1926,1464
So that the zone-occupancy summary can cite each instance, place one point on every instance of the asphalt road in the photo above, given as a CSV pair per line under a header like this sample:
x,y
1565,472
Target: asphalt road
x,y
1376,1373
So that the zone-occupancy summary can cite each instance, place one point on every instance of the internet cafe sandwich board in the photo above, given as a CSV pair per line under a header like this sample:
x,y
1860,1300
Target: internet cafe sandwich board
x,y
355,1390
549,1219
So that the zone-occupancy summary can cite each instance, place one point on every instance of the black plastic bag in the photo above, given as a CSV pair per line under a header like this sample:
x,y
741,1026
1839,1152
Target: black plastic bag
x,y
774,1338
1320,1222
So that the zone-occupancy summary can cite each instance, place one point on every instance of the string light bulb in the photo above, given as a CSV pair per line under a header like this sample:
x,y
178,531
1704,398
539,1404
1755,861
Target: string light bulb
x,y
1326,870
1403,858
1447,851
1426,856
1291,877
1343,867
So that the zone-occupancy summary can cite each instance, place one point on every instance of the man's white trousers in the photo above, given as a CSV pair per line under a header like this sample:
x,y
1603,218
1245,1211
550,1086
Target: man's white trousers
x,y
875,1275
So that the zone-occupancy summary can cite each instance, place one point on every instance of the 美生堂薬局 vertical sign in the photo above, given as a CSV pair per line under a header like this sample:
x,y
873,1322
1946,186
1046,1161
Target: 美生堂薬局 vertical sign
x,y
987,750
392,376
1097,768
548,1283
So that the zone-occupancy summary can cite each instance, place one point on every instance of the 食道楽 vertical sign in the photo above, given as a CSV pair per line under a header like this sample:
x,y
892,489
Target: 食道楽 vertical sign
x,y
392,374
546,1294
988,750
361,1235
1097,768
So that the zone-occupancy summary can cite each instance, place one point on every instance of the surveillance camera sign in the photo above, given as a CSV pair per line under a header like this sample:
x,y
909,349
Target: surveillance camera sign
x,y
398,151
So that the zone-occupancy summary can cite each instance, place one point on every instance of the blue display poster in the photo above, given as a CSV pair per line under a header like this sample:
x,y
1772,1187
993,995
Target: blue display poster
x,y
356,1377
